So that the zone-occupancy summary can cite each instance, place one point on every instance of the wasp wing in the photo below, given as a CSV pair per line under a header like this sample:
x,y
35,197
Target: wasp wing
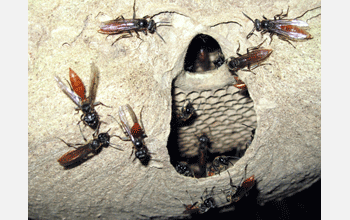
x,y
74,156
118,26
94,80
125,124
70,93
291,22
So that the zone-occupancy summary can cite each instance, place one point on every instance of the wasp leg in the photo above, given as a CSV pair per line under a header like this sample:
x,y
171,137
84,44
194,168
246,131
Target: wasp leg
x,y
281,16
308,11
239,47
286,39
100,103
256,47
123,36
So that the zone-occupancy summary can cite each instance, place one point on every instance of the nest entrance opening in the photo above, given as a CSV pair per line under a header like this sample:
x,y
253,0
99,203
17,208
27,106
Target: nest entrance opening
x,y
224,115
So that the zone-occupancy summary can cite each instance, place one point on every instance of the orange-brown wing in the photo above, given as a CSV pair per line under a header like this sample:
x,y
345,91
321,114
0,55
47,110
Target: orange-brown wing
x,y
74,156
77,84
248,183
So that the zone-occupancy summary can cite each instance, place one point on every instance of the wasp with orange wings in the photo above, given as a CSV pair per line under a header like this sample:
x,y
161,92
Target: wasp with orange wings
x,y
252,59
285,29
77,94
81,153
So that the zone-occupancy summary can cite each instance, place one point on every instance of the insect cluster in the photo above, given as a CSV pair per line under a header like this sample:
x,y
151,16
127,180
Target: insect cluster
x,y
285,29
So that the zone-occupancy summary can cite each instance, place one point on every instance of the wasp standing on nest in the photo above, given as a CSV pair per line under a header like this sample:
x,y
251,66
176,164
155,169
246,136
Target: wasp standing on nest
x,y
77,94
219,164
121,25
202,206
241,189
252,59
285,29
187,111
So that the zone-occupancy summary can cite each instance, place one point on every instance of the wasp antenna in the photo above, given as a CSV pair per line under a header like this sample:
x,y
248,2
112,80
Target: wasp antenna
x,y
163,22
226,22
115,147
160,36
162,12
248,17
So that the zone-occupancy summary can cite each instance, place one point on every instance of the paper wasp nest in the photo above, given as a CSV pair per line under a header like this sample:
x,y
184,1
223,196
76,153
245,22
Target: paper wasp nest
x,y
284,107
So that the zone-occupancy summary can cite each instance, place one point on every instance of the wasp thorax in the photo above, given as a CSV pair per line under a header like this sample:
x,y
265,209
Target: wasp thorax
x,y
95,144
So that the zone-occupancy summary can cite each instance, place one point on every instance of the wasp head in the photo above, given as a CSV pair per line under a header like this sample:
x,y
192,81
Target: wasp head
x,y
151,26
104,139
257,24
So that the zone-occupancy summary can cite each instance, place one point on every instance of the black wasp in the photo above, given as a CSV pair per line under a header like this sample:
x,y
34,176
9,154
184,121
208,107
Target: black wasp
x,y
76,93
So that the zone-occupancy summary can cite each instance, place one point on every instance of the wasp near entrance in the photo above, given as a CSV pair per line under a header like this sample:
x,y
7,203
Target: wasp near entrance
x,y
219,164
202,206
252,59
241,190
285,29
77,94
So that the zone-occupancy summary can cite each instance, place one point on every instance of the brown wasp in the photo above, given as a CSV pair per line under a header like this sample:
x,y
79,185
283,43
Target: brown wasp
x,y
134,133
251,59
77,94
219,164
121,25
204,146
202,206
285,29
241,190
82,153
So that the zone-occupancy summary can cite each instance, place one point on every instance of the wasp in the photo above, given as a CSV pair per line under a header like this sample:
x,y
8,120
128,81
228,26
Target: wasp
x,y
186,112
81,153
121,25
204,146
136,134
252,59
202,206
77,94
208,60
220,163
241,190
203,54
285,29
183,169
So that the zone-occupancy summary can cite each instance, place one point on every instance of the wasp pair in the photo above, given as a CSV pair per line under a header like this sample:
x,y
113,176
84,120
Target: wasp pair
x,y
86,104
